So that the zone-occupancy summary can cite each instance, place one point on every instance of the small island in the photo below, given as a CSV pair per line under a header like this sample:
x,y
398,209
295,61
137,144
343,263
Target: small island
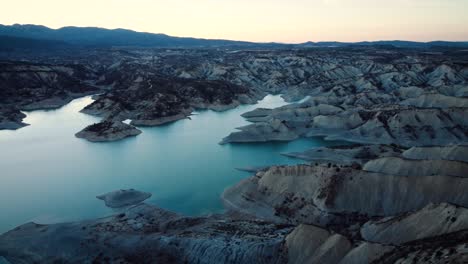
x,y
122,198
108,131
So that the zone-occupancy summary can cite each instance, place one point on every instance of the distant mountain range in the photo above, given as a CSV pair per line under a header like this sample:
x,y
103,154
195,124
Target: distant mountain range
x,y
100,37
41,37
394,43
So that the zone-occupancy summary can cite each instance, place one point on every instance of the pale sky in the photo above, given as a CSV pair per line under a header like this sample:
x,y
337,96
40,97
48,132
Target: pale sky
x,y
255,20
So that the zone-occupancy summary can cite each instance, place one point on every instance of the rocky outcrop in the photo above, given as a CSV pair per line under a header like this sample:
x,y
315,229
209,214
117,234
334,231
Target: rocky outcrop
x,y
25,84
254,169
392,125
157,121
346,154
31,86
108,131
293,112
156,100
11,118
276,130
365,252
407,167
51,103
406,127
282,124
447,248
431,221
455,152
337,195
454,90
436,100
311,244
146,234
122,198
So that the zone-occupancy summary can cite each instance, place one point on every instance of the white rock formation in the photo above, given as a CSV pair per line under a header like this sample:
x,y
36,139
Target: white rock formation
x,y
432,220
410,167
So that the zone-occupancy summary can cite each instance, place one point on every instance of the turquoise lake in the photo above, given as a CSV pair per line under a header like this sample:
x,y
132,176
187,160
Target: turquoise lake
x,y
48,175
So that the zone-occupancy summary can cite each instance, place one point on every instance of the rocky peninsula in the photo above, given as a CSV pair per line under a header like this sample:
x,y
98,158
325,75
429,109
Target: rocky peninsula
x,y
29,85
11,118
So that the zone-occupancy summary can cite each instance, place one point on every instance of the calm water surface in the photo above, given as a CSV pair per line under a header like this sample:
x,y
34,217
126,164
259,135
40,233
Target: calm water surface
x,y
47,175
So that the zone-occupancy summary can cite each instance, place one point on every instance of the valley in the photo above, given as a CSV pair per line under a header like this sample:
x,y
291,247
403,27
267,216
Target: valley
x,y
363,158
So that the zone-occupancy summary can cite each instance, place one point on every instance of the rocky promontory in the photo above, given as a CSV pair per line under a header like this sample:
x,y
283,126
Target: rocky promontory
x,y
11,118
398,125
108,131
432,220
153,100
31,86
347,154
450,152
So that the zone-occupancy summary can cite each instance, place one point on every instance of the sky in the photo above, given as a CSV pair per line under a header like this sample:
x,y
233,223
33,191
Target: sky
x,y
291,21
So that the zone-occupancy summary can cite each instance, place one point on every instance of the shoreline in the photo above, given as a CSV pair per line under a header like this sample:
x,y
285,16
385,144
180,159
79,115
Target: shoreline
x,y
236,113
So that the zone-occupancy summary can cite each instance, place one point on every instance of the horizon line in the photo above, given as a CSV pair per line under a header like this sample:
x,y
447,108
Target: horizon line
x,y
238,40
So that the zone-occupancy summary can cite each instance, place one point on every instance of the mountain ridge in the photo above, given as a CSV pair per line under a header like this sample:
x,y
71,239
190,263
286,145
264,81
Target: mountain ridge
x,y
96,36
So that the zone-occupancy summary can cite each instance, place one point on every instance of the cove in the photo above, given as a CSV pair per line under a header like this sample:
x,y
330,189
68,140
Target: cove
x,y
50,176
